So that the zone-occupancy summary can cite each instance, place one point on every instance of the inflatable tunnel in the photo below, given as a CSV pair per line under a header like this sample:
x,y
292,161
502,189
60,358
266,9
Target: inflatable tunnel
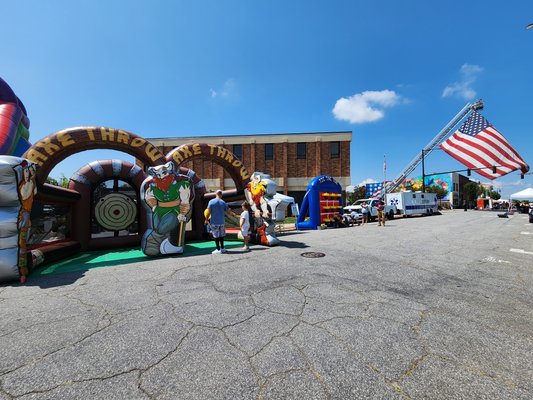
x,y
321,203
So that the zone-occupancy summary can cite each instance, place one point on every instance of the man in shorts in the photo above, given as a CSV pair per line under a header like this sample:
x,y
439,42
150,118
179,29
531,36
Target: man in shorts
x,y
214,216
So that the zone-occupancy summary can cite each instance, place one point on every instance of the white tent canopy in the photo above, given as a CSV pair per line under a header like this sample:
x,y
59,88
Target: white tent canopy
x,y
523,195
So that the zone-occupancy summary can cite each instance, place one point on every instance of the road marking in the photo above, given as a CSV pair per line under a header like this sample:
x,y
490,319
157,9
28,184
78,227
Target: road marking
x,y
525,233
521,251
492,259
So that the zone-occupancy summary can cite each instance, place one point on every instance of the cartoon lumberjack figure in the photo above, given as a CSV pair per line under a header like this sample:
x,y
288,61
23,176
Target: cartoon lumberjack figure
x,y
169,197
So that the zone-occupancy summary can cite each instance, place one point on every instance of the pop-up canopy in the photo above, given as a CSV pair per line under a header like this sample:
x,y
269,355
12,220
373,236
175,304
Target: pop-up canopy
x,y
523,195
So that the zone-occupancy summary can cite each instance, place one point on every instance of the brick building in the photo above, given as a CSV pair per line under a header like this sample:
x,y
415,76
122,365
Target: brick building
x,y
291,159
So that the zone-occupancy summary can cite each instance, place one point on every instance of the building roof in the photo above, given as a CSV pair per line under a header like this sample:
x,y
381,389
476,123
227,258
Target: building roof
x,y
342,136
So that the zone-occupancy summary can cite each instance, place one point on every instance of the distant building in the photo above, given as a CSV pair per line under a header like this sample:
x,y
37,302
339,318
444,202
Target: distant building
x,y
452,182
291,159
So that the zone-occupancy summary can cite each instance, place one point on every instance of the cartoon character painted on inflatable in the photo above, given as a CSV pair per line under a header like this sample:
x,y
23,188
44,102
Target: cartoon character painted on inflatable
x,y
168,196
255,195
26,188
257,192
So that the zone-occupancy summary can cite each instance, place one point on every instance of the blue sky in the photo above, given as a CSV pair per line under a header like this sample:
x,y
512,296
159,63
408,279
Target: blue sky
x,y
393,72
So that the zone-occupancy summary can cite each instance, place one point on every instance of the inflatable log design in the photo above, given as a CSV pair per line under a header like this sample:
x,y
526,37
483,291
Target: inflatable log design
x,y
17,189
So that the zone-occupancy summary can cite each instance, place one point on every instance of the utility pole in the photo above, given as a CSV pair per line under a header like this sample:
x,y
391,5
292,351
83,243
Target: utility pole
x,y
423,174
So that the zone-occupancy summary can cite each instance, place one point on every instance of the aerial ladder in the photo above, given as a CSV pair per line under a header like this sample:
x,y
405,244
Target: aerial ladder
x,y
467,109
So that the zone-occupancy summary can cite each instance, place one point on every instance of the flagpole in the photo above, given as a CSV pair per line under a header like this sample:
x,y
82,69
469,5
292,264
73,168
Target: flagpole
x,y
384,174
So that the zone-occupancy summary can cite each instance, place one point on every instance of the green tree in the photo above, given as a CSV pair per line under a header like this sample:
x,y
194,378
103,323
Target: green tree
x,y
472,190
494,195
438,190
358,193
52,181
62,181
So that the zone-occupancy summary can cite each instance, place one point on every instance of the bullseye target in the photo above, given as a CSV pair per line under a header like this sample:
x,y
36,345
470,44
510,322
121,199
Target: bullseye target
x,y
115,211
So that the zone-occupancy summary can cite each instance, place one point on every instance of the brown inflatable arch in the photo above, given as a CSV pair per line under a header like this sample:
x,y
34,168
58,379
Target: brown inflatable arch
x,y
84,181
51,150
216,154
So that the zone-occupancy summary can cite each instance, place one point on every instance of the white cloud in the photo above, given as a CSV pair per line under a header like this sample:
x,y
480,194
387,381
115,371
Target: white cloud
x,y
228,89
365,107
463,88
367,180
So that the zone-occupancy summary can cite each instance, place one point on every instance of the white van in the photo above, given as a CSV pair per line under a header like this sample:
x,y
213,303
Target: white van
x,y
413,203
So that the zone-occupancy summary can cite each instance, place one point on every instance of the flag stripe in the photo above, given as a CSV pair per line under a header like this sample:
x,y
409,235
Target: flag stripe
x,y
502,146
484,148
472,159
479,158
497,134
477,144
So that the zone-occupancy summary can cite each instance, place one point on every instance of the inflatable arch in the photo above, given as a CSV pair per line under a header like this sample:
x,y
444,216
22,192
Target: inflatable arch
x,y
51,150
114,211
221,156
322,202
217,154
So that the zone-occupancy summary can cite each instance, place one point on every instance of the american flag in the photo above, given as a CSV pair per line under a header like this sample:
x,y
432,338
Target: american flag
x,y
377,189
477,144
373,189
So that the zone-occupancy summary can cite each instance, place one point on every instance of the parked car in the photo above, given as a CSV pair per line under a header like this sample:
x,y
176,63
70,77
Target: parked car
x,y
390,210
531,215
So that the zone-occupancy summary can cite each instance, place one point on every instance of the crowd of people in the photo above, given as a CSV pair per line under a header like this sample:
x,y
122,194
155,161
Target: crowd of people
x,y
217,209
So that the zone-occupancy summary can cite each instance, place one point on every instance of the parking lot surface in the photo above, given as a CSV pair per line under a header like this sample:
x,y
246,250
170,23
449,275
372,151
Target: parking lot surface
x,y
434,307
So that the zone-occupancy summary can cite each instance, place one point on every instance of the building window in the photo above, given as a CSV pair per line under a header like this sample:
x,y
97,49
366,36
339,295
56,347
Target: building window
x,y
301,151
269,151
237,151
335,149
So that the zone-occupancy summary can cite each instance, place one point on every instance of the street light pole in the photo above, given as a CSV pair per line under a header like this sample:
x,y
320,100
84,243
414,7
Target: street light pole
x,y
423,174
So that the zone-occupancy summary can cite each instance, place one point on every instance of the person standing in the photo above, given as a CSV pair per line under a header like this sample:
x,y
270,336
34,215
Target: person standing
x,y
364,211
381,213
244,222
214,216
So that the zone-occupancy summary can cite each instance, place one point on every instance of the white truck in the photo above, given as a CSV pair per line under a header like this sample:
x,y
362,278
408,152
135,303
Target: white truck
x,y
390,210
413,203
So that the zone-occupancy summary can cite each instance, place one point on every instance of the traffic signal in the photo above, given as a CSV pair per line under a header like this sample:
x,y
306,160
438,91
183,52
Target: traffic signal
x,y
494,169
468,172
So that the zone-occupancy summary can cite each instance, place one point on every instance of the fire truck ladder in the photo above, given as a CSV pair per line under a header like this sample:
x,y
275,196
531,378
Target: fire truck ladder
x,y
467,109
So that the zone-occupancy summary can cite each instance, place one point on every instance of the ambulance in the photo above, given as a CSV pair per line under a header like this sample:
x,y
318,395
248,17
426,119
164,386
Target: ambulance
x,y
413,203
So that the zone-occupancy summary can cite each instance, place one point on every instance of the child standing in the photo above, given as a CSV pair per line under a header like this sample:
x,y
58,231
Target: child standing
x,y
245,224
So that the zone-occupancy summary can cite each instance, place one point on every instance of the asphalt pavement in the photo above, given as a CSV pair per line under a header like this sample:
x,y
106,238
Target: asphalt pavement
x,y
434,307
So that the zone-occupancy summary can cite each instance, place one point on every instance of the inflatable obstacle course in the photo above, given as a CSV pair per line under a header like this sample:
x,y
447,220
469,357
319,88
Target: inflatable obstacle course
x,y
321,204
110,204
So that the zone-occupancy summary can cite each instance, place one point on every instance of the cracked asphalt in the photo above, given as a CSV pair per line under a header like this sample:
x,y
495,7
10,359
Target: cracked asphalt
x,y
423,308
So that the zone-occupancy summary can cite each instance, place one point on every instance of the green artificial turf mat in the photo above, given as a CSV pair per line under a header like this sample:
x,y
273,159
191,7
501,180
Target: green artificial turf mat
x,y
108,258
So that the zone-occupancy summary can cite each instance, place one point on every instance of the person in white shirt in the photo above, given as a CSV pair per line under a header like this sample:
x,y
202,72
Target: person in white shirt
x,y
245,224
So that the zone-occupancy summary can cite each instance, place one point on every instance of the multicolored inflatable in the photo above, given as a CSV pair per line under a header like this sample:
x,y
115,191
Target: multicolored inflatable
x,y
14,123
321,204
